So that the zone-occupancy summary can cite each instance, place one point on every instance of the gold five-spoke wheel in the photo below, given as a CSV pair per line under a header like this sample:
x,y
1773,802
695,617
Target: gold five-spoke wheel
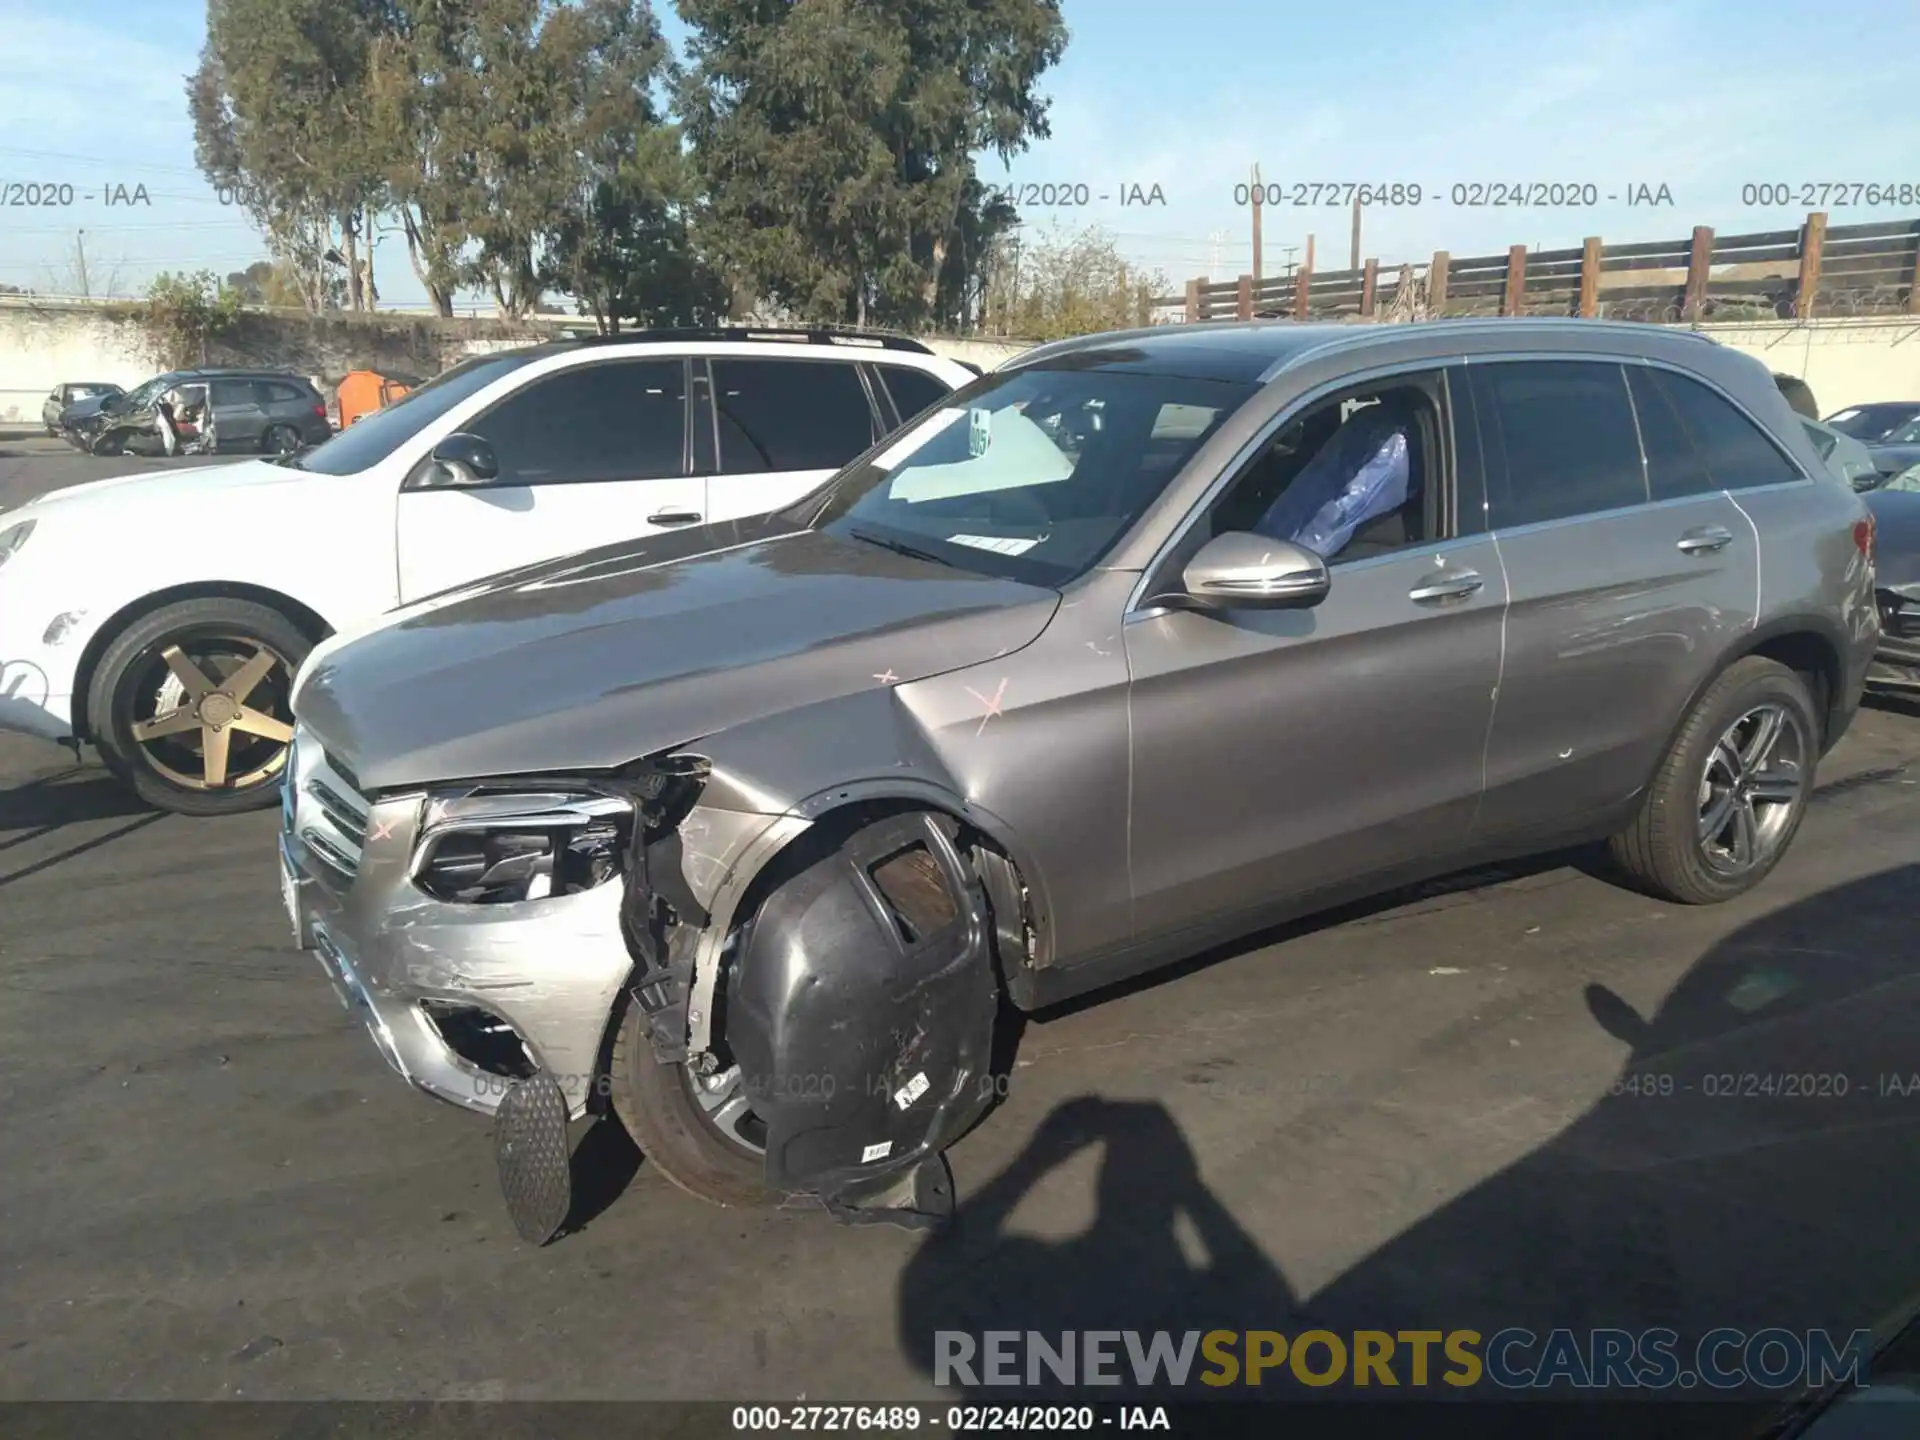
x,y
192,704
216,710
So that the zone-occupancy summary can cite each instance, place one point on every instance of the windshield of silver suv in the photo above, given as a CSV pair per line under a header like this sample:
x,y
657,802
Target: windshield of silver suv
x,y
371,440
1033,475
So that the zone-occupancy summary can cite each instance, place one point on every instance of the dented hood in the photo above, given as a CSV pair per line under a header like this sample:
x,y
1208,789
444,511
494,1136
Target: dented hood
x,y
597,659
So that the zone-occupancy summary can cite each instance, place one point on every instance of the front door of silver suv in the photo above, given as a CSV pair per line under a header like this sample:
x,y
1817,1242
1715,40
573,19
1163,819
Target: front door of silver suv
x,y
1281,753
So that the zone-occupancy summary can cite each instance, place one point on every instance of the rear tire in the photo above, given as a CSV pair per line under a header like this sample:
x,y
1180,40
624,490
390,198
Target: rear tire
x,y
154,734
656,1105
279,440
1727,800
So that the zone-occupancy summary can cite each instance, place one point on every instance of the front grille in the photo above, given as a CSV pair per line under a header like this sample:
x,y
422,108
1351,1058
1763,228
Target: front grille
x,y
349,817
325,809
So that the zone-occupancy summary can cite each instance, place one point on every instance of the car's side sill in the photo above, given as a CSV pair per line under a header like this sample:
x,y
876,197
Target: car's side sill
x,y
1196,946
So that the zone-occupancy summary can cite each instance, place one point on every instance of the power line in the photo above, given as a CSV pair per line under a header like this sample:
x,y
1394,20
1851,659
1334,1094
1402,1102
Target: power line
x,y
94,159
148,228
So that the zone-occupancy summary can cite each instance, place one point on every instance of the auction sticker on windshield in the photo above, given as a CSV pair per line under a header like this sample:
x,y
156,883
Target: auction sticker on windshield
x,y
979,431
999,544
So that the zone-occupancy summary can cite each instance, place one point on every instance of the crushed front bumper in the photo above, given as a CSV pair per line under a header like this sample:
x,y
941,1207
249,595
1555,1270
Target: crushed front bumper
x,y
1896,659
402,962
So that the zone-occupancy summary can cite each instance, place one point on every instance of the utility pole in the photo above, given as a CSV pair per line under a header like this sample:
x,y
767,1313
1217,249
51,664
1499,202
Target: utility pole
x,y
1256,227
80,264
1354,263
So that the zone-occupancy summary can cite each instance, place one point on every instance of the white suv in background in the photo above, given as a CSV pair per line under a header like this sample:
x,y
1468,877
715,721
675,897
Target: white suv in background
x,y
162,616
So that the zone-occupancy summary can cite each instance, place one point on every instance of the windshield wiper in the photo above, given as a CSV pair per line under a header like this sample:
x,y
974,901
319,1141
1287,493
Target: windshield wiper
x,y
900,547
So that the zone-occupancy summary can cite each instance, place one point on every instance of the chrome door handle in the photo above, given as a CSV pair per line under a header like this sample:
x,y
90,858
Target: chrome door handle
x,y
1706,540
1447,585
674,517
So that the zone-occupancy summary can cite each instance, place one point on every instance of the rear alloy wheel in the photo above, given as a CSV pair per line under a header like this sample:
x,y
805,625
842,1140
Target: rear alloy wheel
x,y
191,705
280,440
1731,792
1751,789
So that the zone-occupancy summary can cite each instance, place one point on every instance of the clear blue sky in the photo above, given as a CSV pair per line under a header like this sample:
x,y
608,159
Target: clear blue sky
x,y
1703,96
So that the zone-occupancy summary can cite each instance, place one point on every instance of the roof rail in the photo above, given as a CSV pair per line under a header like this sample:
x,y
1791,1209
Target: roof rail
x,y
772,334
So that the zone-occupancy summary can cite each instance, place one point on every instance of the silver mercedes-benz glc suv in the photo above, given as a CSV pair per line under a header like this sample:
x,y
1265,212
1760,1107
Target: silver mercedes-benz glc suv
x,y
1142,642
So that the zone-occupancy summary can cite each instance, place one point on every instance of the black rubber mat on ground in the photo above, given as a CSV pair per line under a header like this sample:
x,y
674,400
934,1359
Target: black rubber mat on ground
x,y
530,1145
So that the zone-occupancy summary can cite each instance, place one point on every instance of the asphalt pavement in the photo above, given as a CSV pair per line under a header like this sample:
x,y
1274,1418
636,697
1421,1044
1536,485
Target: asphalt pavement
x,y
1530,1097
33,463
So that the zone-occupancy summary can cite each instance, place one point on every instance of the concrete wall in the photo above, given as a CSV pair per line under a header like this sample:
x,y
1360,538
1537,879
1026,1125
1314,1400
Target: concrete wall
x,y
43,343
984,353
1844,361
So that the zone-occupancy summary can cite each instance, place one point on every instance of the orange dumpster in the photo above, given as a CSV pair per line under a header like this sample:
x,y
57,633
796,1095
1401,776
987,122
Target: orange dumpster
x,y
364,391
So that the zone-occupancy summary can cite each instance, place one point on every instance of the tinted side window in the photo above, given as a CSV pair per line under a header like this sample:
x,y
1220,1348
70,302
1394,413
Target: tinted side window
x,y
1560,440
233,392
1674,466
789,415
1823,440
1350,478
275,392
619,420
912,390
1737,454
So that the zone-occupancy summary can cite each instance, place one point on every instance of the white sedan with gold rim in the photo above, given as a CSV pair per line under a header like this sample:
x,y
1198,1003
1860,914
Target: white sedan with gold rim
x,y
163,617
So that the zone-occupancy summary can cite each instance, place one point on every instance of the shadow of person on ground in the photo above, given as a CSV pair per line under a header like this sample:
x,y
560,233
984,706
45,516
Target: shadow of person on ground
x,y
1746,1167
1133,1270
1750,1166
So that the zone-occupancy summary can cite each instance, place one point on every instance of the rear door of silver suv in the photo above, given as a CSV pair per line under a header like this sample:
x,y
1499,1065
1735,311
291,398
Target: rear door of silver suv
x,y
1630,570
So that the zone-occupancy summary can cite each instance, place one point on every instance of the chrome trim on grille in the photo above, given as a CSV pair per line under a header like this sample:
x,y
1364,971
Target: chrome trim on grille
x,y
350,820
332,854
324,809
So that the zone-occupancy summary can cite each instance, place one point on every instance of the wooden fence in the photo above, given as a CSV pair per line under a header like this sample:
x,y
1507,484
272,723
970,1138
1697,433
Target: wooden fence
x,y
1871,269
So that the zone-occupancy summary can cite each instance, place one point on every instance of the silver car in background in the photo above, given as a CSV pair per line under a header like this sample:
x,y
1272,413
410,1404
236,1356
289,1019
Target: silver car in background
x,y
1139,644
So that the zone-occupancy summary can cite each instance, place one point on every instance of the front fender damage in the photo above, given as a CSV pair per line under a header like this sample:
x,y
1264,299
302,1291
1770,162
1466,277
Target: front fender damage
x,y
845,965
861,1012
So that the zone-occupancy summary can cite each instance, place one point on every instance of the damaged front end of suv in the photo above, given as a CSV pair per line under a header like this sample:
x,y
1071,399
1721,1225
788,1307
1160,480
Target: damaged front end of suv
x,y
766,1002
705,865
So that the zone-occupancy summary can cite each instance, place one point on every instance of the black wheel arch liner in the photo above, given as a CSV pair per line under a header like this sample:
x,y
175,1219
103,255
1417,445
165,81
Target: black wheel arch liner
x,y
1037,953
820,1029
865,1044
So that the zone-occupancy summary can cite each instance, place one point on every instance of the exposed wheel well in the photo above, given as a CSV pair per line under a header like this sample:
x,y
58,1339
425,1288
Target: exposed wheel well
x,y
1814,659
309,622
826,833
1009,896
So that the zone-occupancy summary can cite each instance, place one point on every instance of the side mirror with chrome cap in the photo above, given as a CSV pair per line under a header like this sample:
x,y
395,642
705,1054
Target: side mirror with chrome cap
x,y
462,459
1243,571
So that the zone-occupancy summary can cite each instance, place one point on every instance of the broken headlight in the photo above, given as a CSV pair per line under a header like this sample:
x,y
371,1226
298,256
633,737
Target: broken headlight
x,y
481,849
